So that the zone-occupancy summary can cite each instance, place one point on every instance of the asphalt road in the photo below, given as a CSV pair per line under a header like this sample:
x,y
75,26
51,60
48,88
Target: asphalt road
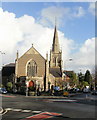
x,y
21,107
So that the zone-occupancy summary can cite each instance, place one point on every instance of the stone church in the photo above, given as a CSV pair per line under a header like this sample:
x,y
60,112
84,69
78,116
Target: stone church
x,y
43,73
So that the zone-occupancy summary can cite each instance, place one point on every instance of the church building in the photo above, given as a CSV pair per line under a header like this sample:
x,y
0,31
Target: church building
x,y
32,68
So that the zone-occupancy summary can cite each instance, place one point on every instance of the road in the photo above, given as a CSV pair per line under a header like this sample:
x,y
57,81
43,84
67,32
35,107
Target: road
x,y
18,107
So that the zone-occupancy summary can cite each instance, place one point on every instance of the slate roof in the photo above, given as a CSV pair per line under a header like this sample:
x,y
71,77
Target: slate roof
x,y
10,65
67,73
56,72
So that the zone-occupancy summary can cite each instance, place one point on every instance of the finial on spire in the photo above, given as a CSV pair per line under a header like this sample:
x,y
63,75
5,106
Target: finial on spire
x,y
55,21
17,54
32,44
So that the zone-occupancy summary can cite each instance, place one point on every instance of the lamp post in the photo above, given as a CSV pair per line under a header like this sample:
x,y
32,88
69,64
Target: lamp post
x,y
2,53
70,59
67,84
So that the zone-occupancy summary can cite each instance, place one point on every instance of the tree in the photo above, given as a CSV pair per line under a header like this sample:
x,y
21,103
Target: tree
x,y
80,77
73,79
95,76
88,77
81,80
84,84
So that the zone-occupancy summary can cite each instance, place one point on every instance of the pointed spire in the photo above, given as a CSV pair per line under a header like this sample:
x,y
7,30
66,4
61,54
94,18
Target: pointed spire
x,y
55,47
17,55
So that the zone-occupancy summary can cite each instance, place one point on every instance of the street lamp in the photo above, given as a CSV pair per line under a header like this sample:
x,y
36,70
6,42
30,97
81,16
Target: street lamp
x,y
70,59
2,53
67,83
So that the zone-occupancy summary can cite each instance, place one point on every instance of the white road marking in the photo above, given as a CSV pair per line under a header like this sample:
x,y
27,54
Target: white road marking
x,y
21,110
17,110
4,112
26,111
36,111
8,109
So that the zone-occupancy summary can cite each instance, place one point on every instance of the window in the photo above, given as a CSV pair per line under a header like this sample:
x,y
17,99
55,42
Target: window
x,y
54,60
59,62
32,68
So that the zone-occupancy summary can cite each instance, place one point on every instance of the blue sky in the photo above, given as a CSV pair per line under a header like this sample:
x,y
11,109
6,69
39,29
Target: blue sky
x,y
78,29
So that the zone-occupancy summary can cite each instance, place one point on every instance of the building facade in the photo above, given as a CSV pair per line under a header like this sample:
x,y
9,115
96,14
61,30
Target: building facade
x,y
43,73
31,66
54,65
8,74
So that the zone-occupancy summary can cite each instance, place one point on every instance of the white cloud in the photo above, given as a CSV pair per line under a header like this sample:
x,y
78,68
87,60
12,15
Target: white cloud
x,y
85,58
79,12
10,32
87,53
92,8
49,14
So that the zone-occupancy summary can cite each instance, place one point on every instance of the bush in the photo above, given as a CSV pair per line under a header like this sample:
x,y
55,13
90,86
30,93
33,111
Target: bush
x,y
9,86
32,88
1,85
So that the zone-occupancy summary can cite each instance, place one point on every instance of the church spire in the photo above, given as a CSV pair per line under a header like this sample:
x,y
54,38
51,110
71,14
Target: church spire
x,y
55,47
55,54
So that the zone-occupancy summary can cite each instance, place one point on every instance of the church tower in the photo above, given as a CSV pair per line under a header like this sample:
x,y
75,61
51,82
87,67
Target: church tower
x,y
55,53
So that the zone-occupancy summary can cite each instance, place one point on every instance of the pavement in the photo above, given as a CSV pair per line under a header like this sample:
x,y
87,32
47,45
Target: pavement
x,y
56,97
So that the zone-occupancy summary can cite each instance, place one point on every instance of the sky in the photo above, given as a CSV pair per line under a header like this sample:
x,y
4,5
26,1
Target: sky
x,y
24,23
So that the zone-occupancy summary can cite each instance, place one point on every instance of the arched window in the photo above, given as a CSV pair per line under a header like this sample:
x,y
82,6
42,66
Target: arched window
x,y
32,68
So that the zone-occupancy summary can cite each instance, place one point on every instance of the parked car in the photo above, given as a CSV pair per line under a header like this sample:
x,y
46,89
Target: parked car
x,y
73,90
94,92
86,90
3,90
